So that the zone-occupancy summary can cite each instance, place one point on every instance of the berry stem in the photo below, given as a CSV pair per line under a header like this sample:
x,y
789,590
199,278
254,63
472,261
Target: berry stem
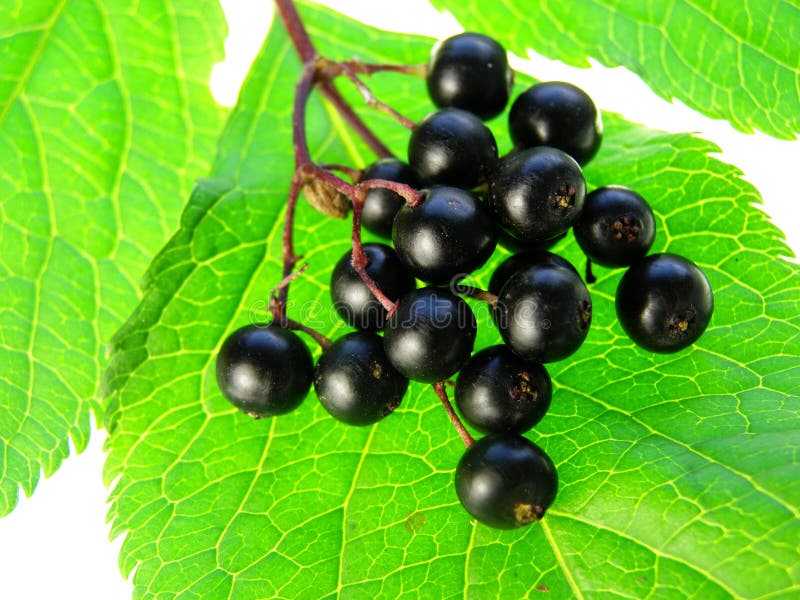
x,y
440,390
590,278
281,291
323,341
412,196
319,72
308,54
365,68
371,100
476,293
360,261
353,173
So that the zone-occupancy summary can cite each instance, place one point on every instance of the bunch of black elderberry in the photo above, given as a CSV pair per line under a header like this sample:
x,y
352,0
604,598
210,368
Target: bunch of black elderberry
x,y
469,199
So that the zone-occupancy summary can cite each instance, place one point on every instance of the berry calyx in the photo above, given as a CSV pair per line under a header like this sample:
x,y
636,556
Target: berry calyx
x,y
537,194
355,381
470,71
431,335
450,233
497,391
452,147
556,114
506,481
354,301
616,226
543,312
264,370
664,303
381,204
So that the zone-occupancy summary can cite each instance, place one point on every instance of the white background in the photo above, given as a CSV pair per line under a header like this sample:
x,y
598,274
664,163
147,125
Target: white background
x,y
55,544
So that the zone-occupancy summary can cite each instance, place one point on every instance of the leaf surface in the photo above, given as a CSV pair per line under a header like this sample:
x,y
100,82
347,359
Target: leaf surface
x,y
679,474
105,117
735,62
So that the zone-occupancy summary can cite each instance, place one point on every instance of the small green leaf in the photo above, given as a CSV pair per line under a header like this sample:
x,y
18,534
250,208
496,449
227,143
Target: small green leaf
x,y
105,117
736,62
678,473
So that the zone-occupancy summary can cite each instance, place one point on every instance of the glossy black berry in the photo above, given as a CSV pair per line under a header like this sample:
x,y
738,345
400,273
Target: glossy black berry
x,y
264,370
616,226
506,481
664,302
515,245
353,300
431,335
450,233
537,194
557,114
543,312
470,71
497,391
515,262
452,147
355,381
381,204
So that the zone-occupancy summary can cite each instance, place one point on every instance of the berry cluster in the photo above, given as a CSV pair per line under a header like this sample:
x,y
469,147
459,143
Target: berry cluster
x,y
467,199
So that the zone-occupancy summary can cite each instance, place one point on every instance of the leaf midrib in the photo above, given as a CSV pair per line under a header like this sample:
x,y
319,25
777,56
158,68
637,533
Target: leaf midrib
x,y
48,27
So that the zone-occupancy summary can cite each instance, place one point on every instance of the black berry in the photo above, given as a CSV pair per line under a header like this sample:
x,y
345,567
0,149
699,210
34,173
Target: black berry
x,y
664,302
431,335
543,312
557,114
452,147
355,381
515,245
515,262
264,370
470,71
497,391
616,226
537,194
353,300
381,204
450,233
506,481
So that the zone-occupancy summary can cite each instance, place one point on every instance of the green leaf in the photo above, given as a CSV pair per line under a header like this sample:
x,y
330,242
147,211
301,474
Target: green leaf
x,y
679,474
738,63
105,117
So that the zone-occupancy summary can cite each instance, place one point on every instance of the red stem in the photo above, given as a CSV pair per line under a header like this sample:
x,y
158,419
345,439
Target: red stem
x,y
412,196
323,341
476,293
440,390
360,261
308,53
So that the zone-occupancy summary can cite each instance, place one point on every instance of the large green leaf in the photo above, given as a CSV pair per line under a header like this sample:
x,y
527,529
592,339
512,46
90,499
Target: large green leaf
x,y
105,117
729,60
679,474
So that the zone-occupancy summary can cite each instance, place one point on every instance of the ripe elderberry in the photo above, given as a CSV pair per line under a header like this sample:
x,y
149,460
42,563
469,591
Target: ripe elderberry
x,y
470,71
556,114
506,481
616,226
497,391
355,381
264,370
431,335
537,194
450,233
664,302
543,312
452,147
